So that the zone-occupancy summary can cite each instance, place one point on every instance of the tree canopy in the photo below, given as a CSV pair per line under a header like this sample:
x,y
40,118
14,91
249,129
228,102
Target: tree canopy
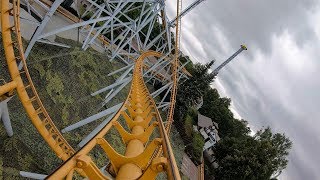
x,y
257,158
194,88
238,155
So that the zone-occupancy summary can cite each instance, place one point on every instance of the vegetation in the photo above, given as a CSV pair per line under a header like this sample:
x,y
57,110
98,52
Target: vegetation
x,y
258,157
185,115
188,125
193,89
238,155
217,108
197,145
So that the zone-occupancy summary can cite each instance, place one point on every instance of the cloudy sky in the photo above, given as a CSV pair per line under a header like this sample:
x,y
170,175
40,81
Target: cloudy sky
x,y
275,83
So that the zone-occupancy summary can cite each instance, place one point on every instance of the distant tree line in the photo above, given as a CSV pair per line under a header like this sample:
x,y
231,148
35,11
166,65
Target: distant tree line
x,y
239,156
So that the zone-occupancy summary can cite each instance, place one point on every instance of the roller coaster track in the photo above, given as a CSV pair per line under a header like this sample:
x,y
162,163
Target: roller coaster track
x,y
175,65
22,82
143,158
139,110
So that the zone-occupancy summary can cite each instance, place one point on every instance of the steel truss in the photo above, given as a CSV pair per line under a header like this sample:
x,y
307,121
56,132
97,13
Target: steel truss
x,y
114,27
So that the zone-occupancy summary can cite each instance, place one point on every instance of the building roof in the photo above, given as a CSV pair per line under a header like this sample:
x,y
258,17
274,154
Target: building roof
x,y
204,121
203,133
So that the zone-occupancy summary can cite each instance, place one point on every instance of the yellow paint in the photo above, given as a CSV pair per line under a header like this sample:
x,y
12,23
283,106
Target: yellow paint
x,y
7,90
45,126
244,47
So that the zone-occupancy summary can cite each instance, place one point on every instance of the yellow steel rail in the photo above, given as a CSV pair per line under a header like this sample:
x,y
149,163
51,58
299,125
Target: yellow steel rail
x,y
23,82
201,170
175,65
142,117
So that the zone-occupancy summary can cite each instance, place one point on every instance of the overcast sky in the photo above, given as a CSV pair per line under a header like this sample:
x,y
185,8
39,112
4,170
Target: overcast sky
x,y
275,83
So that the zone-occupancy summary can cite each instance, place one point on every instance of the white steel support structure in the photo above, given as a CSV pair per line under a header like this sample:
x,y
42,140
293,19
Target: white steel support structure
x,y
185,11
41,27
121,28
110,26
4,116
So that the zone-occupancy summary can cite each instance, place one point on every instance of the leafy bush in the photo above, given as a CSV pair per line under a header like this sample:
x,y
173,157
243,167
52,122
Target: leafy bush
x,y
197,146
188,125
193,113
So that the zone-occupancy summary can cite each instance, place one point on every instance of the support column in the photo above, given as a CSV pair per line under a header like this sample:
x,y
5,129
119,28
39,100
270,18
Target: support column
x,y
40,28
4,114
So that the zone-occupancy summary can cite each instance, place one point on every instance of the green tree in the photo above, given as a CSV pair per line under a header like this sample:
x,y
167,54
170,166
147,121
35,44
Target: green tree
x,y
193,89
197,146
188,125
193,113
189,66
280,148
217,109
252,158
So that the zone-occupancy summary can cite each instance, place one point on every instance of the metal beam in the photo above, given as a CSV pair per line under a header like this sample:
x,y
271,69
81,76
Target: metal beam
x,y
92,118
31,175
40,28
4,115
96,130
126,80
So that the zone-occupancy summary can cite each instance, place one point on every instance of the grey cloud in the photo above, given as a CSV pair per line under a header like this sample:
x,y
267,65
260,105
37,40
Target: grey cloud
x,y
297,172
253,21
264,83
262,112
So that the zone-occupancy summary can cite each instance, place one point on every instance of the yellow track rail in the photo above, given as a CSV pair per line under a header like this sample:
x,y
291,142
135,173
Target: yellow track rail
x,y
201,171
23,82
175,65
142,117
